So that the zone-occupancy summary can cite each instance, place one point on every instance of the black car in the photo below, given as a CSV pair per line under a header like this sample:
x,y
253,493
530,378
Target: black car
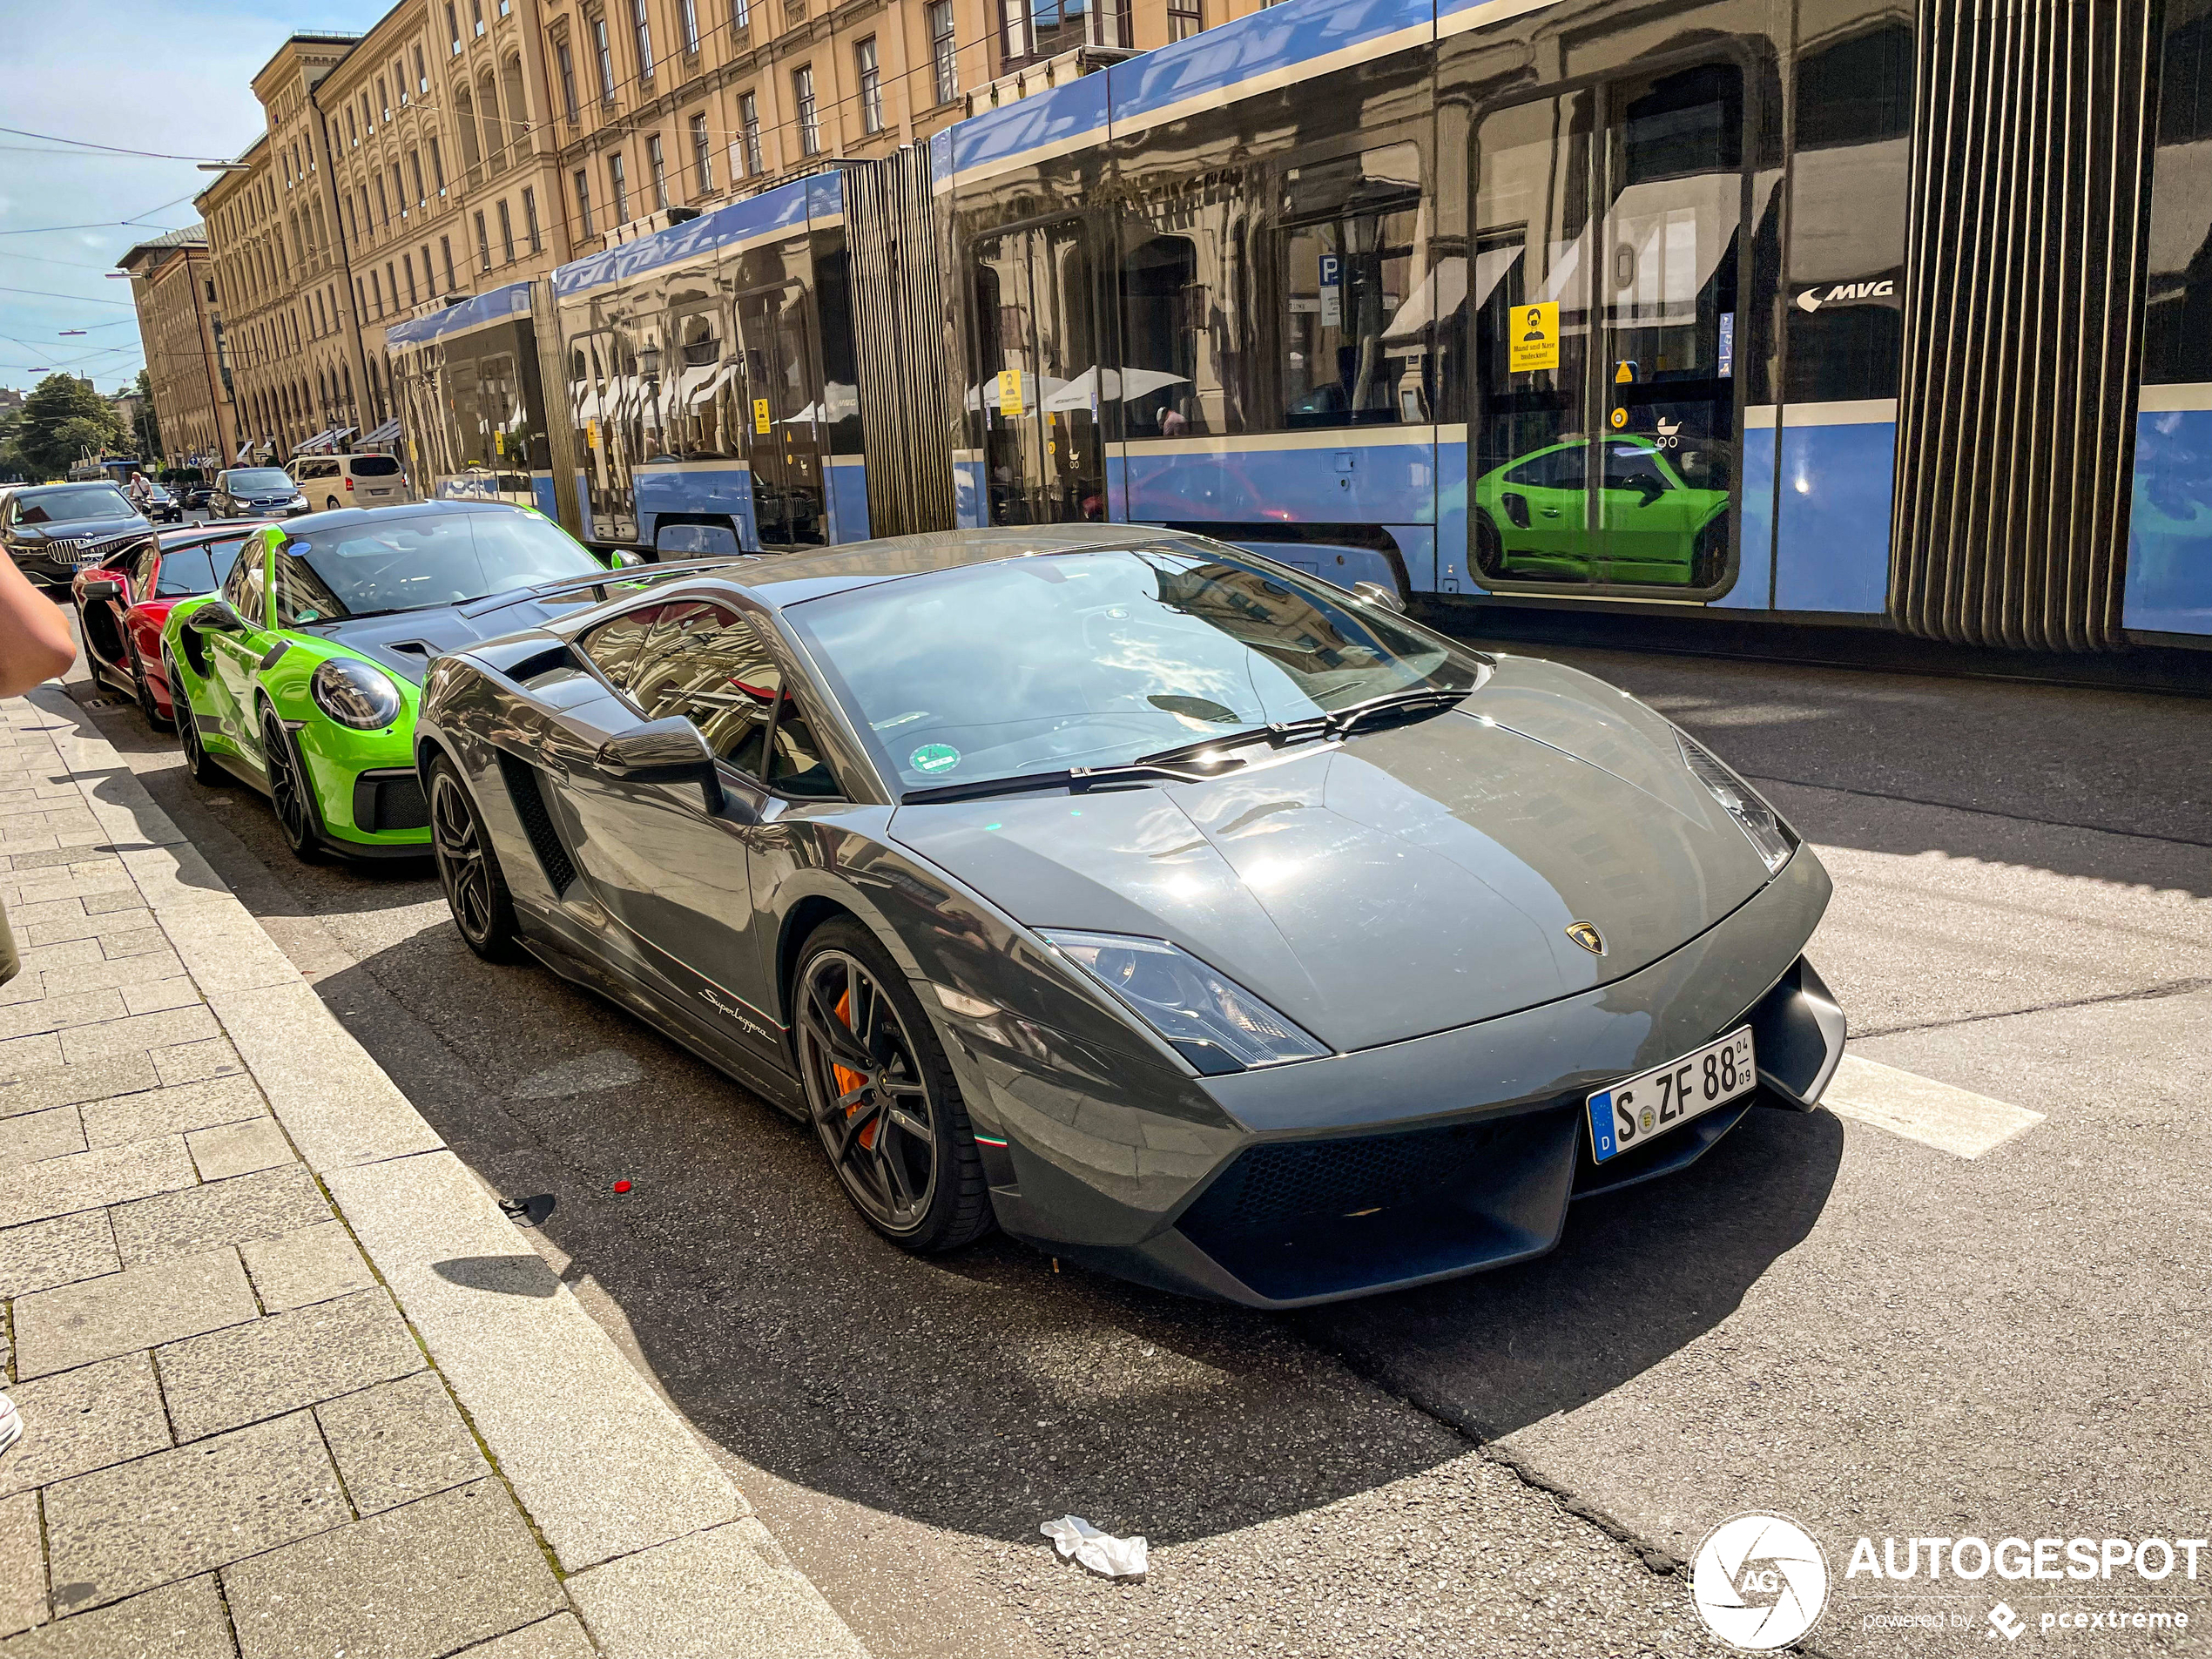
x,y
1184,914
198,495
162,507
256,492
50,529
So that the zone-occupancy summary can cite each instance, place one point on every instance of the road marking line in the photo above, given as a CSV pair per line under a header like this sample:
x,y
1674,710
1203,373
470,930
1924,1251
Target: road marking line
x,y
1920,1108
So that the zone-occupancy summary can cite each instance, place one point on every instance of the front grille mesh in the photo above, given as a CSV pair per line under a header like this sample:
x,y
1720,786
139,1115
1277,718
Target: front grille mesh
x,y
1285,1180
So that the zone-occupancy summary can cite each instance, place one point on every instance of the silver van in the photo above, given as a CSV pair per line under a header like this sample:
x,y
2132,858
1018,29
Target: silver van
x,y
330,482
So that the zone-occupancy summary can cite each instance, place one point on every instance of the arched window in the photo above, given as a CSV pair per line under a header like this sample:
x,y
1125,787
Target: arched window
x,y
465,112
511,91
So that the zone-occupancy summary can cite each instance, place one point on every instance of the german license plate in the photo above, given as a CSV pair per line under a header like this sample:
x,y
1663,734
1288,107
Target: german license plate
x,y
1642,1108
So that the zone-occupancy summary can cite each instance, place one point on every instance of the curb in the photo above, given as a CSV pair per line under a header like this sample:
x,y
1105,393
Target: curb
x,y
660,1554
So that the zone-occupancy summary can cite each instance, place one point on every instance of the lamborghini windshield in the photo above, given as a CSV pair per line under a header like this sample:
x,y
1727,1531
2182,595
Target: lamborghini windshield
x,y
399,562
1028,666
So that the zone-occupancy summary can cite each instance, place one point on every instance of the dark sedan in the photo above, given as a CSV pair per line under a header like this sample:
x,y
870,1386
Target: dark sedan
x,y
256,492
1171,910
51,530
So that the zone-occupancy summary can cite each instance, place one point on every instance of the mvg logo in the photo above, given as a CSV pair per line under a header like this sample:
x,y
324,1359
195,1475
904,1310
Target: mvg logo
x,y
1846,293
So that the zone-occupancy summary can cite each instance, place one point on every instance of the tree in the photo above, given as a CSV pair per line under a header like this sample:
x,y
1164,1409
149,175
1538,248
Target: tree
x,y
148,431
62,419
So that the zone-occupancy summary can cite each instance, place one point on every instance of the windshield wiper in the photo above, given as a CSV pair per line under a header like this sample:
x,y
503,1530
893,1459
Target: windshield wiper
x,y
1073,780
1339,723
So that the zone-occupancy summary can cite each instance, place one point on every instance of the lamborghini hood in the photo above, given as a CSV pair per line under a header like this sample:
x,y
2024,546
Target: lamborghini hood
x,y
1417,878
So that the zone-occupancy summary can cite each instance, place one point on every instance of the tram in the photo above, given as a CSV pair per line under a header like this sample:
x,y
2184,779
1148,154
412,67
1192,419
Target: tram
x,y
1844,311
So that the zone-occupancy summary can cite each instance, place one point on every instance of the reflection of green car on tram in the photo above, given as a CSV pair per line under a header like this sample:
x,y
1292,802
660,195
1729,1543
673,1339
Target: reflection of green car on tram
x,y
1647,524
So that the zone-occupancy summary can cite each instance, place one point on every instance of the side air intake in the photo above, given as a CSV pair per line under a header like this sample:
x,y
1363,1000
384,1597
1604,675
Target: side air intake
x,y
527,789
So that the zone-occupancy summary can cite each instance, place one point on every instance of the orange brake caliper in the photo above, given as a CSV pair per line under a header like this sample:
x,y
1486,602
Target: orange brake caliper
x,y
848,1080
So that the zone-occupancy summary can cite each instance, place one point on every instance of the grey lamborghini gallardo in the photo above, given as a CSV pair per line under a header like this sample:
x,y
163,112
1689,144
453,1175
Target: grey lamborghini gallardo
x,y
1175,911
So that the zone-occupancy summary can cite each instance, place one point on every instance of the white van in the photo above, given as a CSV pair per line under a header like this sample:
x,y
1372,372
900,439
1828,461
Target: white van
x,y
350,481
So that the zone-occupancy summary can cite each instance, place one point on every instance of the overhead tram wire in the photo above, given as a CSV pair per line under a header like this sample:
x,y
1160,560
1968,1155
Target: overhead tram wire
x,y
110,149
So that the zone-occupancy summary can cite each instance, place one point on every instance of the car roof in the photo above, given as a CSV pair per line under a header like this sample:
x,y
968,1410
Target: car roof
x,y
347,517
789,578
67,483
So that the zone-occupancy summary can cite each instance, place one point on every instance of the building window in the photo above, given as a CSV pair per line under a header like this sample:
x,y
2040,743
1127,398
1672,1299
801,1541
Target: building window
x,y
398,79
944,52
476,11
421,75
353,138
619,187
399,190
583,200
749,121
384,100
392,283
529,219
406,264
702,156
445,254
741,15
414,167
691,12
1185,18
437,164
656,165
483,245
506,232
375,293
361,305
606,60
643,28
568,79
1015,39
383,207
864,60
810,125
428,276
353,219
453,27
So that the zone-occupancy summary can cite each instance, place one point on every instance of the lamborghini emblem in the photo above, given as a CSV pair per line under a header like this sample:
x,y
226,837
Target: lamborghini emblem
x,y
1586,936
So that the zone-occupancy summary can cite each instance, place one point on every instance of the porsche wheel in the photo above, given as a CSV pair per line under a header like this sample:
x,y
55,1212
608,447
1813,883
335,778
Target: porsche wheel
x,y
469,869
882,1098
197,761
289,790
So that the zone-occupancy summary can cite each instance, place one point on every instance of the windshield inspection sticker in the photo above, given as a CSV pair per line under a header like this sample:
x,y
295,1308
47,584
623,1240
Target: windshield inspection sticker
x,y
935,757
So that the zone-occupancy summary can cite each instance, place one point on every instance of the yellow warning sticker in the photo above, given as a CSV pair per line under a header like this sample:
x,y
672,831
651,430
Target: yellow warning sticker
x,y
1534,340
499,443
1009,391
761,415
592,435
1625,374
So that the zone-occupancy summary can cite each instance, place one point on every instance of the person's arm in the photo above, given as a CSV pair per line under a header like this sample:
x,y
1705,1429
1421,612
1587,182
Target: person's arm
x,y
35,641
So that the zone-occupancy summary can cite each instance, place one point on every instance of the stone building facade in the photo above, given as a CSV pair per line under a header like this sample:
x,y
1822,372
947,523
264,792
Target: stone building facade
x,y
180,327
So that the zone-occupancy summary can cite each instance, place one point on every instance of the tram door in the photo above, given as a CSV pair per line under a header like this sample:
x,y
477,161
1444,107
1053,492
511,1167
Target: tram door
x,y
1034,408
1608,239
781,418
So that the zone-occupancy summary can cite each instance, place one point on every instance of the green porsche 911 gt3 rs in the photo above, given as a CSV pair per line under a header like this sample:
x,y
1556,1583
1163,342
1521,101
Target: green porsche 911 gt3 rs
x,y
303,673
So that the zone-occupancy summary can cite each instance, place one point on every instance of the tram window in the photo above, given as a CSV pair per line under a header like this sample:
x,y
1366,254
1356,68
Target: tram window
x,y
1560,468
1341,351
2177,314
1850,185
697,415
1164,309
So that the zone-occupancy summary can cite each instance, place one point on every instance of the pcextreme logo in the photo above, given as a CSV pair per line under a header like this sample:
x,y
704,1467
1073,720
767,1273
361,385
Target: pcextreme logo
x,y
1759,1582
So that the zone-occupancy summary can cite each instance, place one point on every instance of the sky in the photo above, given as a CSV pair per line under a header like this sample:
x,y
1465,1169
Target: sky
x,y
169,76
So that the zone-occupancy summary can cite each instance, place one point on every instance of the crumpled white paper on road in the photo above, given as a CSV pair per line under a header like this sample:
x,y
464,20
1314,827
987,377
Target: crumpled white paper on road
x,y
1101,1552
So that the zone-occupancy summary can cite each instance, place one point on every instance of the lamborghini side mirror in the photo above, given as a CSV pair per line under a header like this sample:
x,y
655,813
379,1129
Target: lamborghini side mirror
x,y
662,752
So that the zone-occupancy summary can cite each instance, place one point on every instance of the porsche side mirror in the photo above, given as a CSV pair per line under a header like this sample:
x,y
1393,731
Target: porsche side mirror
x,y
102,590
1375,594
216,617
662,752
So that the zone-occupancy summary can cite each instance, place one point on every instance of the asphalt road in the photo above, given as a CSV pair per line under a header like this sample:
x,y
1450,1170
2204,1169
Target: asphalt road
x,y
1821,1319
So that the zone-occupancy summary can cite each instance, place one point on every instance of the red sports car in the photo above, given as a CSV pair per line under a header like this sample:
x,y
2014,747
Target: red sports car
x,y
123,601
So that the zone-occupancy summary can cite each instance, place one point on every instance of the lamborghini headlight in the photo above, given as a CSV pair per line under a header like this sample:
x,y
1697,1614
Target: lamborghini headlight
x,y
1770,837
353,693
1212,1021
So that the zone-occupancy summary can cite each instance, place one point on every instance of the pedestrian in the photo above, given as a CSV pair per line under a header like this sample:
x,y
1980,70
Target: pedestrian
x,y
34,645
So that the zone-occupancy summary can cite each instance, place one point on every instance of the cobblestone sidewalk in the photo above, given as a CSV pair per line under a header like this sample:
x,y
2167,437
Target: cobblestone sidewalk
x,y
236,1441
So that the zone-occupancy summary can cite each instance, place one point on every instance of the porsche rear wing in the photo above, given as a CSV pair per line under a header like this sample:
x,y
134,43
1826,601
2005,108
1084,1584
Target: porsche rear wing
x,y
601,588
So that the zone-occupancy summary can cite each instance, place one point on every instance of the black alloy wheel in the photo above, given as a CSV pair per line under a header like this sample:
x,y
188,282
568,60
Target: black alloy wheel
x,y
469,869
289,789
883,1099
201,765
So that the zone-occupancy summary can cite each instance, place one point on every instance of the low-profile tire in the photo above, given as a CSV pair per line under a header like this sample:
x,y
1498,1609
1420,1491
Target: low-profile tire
x,y
197,761
884,1103
1489,547
476,889
291,792
143,691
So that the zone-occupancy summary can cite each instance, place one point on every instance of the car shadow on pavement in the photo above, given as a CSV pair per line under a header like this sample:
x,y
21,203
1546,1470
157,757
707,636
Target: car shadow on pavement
x,y
987,1391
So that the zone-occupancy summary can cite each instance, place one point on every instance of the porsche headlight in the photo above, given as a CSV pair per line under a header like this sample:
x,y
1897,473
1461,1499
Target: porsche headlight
x,y
1212,1022
1770,837
354,694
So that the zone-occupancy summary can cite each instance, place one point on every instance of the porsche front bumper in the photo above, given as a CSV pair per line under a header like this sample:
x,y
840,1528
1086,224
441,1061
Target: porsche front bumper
x,y
1412,1161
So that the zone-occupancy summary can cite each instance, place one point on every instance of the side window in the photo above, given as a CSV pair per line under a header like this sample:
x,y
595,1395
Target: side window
x,y
1634,466
614,646
795,766
242,588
